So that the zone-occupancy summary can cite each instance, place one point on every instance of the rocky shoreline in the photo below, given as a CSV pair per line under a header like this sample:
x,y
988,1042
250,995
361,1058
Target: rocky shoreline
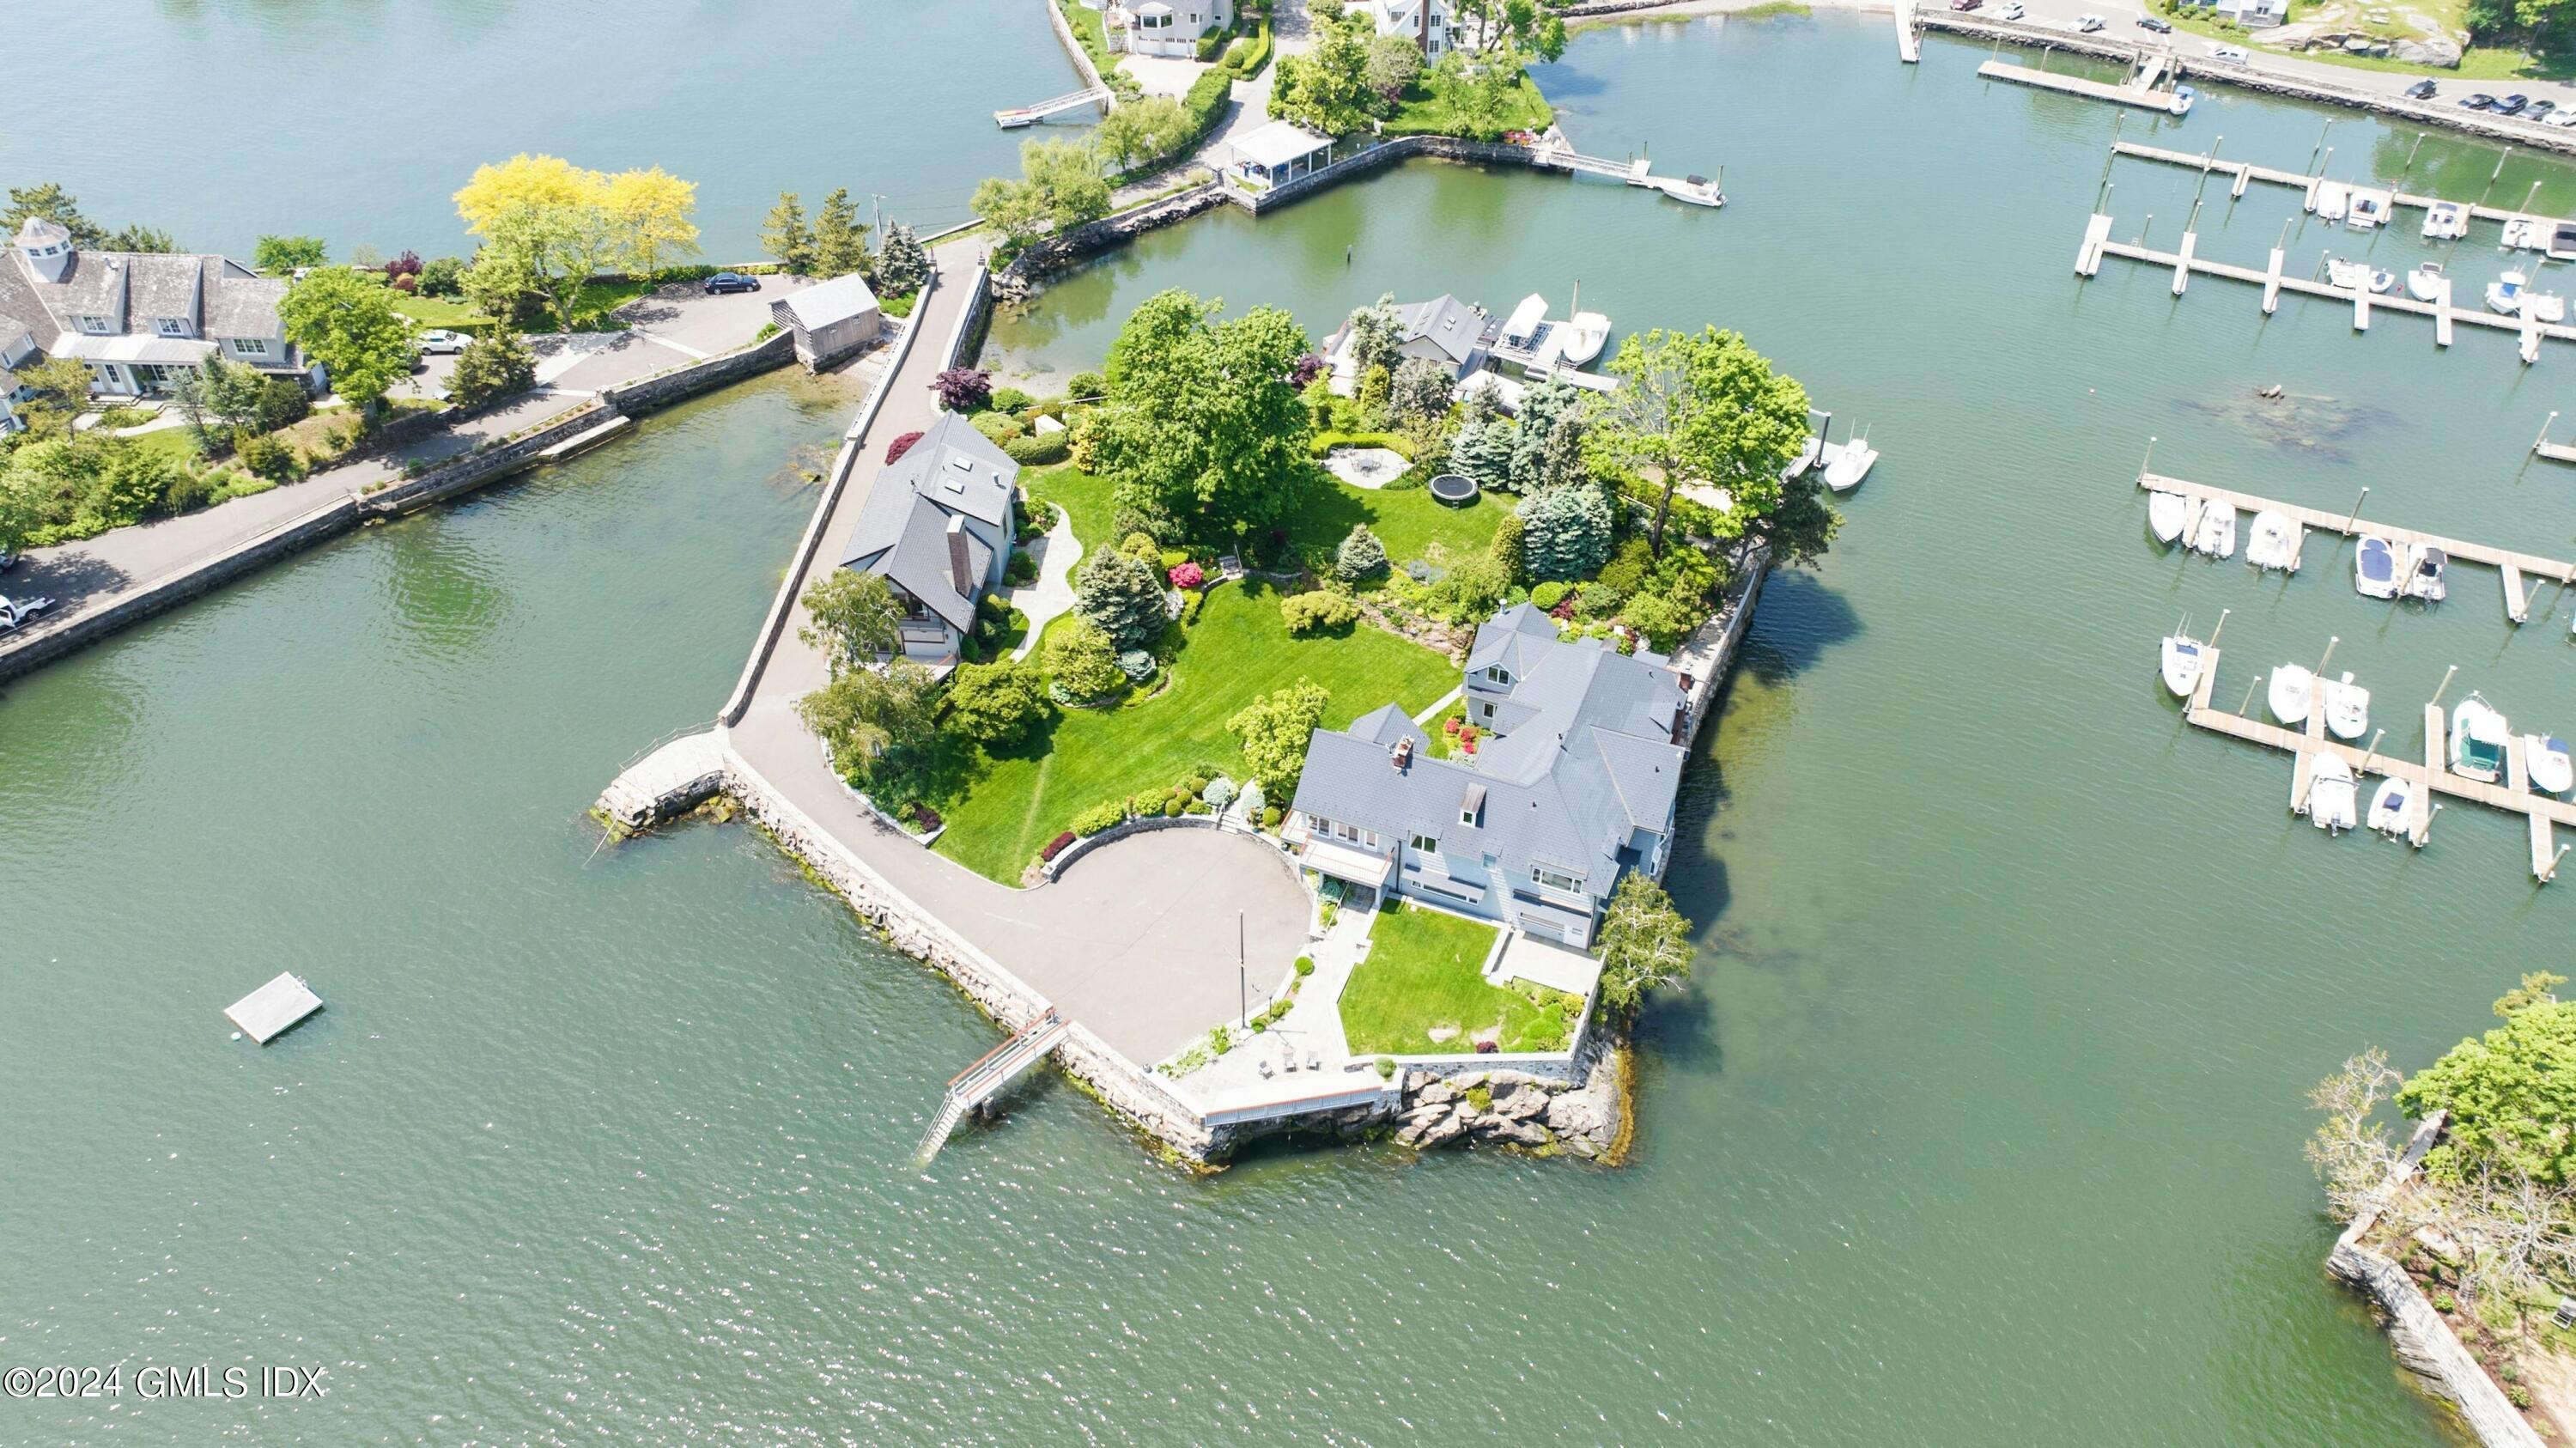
x,y
1517,1109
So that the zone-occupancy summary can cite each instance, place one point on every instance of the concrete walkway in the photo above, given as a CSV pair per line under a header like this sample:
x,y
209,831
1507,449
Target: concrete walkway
x,y
1051,597
1136,940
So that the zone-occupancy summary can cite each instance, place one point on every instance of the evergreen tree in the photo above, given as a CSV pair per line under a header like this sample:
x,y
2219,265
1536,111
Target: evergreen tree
x,y
1483,451
784,235
1420,390
1566,532
1360,555
497,363
901,265
840,238
1123,598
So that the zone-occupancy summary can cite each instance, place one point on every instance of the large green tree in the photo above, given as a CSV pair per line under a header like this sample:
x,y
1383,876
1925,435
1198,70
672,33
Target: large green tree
x,y
851,616
1059,187
348,324
2511,1094
1645,945
49,200
902,264
1275,730
1203,431
280,255
1702,407
996,703
878,725
1326,90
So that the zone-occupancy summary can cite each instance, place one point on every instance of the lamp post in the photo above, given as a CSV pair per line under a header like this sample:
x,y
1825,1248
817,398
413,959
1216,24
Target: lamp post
x,y
1242,976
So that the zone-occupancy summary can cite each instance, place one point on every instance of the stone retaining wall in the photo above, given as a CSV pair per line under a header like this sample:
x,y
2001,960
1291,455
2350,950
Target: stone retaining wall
x,y
662,389
1140,825
1054,254
1073,48
485,465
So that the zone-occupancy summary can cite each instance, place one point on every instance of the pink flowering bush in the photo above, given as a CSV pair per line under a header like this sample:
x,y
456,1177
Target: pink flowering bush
x,y
1188,575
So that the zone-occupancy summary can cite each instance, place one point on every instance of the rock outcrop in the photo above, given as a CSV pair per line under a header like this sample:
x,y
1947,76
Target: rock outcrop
x,y
1517,1109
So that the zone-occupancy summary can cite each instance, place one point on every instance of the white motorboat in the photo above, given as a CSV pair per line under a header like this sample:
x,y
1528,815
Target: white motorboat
x,y
1845,469
1582,337
2167,513
2445,221
2424,283
2183,96
2544,306
2332,201
2524,233
2215,534
2504,294
2289,693
2389,806
2477,740
2545,757
2347,708
2424,574
2369,210
2331,802
2180,662
2273,542
2374,568
2350,276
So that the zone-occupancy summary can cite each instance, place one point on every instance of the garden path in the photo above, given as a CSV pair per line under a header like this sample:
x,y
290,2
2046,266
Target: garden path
x,y
1051,597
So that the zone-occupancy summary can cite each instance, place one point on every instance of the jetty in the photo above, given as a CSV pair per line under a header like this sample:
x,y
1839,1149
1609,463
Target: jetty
x,y
2139,90
2511,565
1561,156
1909,34
2273,280
981,1082
2545,812
273,1009
1018,116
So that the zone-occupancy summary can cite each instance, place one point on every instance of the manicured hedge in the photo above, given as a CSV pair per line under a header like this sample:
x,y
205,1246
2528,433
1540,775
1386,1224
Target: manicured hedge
x,y
1324,442
1246,57
1039,449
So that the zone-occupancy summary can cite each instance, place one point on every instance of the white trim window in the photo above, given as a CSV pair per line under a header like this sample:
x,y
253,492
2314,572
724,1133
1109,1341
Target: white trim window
x,y
250,346
1425,845
95,326
170,326
1555,881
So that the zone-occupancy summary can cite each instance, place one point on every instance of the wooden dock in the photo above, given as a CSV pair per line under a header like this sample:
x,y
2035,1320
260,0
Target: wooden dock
x,y
2511,566
2431,777
1909,37
2133,94
270,1011
2299,181
2445,314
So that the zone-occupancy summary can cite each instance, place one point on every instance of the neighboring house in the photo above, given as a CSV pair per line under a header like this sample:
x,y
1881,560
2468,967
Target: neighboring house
x,y
938,526
1164,27
1276,154
830,321
1424,22
1444,329
1575,787
2254,14
139,320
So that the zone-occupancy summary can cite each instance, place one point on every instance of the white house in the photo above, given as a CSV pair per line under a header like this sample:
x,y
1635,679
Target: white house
x,y
139,320
1277,153
830,321
2254,14
1424,22
938,526
1164,27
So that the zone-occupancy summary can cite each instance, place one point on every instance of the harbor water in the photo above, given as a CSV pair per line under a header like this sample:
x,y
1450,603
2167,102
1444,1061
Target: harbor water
x,y
1980,1122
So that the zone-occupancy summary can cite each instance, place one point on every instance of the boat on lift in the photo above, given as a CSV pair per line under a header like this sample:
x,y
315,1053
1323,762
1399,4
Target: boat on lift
x,y
2333,199
2526,233
2273,542
2290,693
2216,533
2369,211
2390,804
1850,464
2180,660
2445,221
2477,740
2347,707
2544,306
2545,757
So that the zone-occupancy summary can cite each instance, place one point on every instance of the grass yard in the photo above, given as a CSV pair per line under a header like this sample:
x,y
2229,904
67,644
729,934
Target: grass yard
x,y
1081,494
1423,972
1408,521
1011,805
1424,114
452,313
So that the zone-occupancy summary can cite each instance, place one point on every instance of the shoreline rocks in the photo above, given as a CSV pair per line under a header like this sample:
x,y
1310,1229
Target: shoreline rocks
x,y
1517,1109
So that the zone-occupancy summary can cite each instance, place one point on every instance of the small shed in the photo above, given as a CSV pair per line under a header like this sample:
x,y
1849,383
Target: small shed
x,y
1280,152
829,321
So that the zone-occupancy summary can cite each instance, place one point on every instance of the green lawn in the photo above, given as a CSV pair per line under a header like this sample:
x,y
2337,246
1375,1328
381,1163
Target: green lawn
x,y
1010,806
1424,971
1408,521
590,310
453,313
1083,495
1424,114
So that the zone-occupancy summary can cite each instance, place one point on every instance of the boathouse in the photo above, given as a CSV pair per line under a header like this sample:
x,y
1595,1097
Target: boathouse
x,y
830,321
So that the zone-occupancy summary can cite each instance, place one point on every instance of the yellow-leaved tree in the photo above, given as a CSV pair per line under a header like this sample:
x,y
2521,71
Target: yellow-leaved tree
x,y
548,226
651,210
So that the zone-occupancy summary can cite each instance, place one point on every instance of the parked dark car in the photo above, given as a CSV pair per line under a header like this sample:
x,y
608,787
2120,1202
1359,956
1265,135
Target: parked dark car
x,y
2479,102
2160,27
2421,90
2513,105
2539,110
731,282
1966,4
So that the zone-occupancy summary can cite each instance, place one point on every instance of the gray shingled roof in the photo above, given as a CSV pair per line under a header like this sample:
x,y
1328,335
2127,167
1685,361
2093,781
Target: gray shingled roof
x,y
837,300
902,528
1447,323
239,301
1589,758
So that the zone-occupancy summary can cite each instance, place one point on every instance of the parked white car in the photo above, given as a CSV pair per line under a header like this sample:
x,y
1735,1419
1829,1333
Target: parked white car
x,y
439,339
2010,10
2560,118
2087,24
2232,54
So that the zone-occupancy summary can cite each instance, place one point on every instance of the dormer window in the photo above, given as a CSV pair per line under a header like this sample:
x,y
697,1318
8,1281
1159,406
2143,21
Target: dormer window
x,y
1471,810
170,326
1499,675
250,346
95,326
1554,880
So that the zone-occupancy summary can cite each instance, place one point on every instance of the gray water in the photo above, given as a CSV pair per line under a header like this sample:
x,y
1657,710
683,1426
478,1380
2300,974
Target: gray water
x,y
1979,1125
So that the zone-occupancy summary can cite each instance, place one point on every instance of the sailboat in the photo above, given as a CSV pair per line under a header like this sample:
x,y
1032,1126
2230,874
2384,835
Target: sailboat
x,y
2389,806
2274,541
2216,533
2330,795
1581,339
2545,757
2290,693
1848,466
2347,708
2166,515
2477,740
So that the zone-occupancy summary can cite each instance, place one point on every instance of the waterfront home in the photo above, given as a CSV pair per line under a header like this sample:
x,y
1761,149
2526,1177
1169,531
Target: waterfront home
x,y
2254,14
1165,28
1275,154
829,321
1445,329
937,526
1573,787
1424,22
139,320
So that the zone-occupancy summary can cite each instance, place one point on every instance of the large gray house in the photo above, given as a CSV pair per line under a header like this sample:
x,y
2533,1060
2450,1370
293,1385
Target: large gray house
x,y
138,320
1576,787
938,525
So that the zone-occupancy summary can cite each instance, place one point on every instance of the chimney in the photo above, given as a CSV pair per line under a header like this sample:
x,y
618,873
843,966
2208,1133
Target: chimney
x,y
959,570
1403,753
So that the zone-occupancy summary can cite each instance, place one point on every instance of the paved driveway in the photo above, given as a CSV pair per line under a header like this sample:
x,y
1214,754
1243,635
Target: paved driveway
x,y
684,317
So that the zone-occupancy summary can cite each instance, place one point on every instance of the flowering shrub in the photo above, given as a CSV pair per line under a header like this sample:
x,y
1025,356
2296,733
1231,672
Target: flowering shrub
x,y
1188,575
1451,724
1055,847
901,445
1308,367
924,818
963,389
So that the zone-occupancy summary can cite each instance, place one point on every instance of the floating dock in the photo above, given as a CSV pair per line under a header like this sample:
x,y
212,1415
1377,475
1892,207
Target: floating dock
x,y
2545,812
2511,566
273,1009
980,1082
2140,93
1909,36
2300,181
1018,116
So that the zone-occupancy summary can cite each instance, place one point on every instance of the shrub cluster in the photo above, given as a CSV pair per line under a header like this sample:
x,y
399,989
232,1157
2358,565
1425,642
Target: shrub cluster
x,y
1320,611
